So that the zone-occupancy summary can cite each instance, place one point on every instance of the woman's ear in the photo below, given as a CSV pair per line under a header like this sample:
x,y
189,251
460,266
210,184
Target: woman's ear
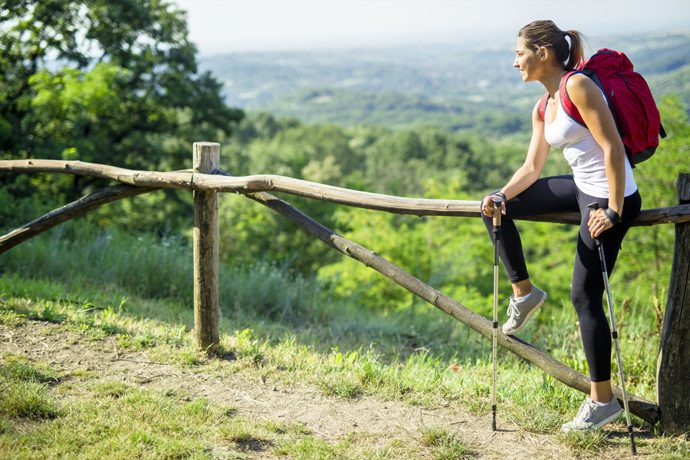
x,y
542,53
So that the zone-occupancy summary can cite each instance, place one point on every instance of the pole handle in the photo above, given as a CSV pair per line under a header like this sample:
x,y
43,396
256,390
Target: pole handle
x,y
497,211
594,206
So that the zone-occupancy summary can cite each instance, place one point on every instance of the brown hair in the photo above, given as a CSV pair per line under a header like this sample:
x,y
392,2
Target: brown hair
x,y
547,33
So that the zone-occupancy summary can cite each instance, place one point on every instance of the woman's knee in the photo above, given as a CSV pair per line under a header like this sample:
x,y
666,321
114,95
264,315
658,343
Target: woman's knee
x,y
581,301
587,300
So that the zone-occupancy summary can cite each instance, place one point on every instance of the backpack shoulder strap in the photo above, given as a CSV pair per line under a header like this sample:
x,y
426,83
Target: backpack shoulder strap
x,y
542,105
567,104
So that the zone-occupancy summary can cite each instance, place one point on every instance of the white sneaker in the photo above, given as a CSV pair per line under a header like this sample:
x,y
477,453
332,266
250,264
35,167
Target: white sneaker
x,y
592,416
520,312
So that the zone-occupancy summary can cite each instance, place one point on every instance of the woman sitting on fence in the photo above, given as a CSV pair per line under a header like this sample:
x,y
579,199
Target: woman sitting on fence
x,y
601,173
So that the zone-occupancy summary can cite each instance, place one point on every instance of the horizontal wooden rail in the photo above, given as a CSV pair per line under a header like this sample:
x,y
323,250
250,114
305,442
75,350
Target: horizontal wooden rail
x,y
176,179
257,183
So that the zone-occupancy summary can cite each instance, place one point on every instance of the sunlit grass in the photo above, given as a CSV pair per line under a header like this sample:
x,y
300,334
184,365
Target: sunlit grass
x,y
23,390
585,443
444,445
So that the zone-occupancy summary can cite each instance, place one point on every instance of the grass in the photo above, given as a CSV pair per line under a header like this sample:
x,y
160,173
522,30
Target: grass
x,y
23,392
105,420
293,332
444,445
156,269
586,443
26,400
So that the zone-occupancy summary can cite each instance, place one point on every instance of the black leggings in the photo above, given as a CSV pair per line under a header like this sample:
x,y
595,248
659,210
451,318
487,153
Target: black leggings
x,y
559,193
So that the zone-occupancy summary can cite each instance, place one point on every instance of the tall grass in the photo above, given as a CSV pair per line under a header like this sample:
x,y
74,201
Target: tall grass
x,y
151,267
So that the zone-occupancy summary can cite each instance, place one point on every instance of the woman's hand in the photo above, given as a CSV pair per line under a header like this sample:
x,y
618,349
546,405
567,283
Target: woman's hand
x,y
488,205
598,222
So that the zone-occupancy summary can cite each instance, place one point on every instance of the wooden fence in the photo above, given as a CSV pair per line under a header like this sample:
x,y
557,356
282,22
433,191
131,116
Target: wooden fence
x,y
206,180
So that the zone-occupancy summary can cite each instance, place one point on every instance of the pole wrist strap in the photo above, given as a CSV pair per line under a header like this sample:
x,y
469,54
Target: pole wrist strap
x,y
612,215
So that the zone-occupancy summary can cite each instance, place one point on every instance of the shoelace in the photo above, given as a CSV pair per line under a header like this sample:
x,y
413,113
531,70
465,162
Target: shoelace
x,y
585,410
513,311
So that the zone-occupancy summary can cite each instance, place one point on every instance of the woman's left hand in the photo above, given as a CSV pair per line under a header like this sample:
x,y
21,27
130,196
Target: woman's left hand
x,y
598,222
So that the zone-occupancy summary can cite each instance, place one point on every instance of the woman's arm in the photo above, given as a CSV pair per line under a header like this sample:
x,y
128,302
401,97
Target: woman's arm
x,y
587,97
531,169
537,152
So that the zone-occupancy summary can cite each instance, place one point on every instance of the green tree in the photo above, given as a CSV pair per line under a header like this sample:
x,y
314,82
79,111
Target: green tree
x,y
651,260
109,82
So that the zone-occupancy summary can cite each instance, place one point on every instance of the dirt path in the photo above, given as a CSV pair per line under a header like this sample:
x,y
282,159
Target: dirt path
x,y
329,418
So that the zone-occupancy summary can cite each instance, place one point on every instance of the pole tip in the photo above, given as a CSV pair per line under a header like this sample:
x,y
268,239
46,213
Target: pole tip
x,y
633,449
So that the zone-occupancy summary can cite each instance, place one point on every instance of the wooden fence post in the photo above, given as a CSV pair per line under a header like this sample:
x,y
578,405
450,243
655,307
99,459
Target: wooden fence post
x,y
206,253
673,376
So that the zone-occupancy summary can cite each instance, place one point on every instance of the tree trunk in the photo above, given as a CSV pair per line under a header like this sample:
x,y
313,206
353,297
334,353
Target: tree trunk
x,y
673,377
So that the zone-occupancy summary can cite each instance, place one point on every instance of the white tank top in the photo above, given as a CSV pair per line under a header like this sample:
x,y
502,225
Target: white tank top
x,y
584,155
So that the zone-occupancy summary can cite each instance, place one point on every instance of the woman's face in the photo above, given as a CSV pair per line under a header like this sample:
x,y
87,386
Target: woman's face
x,y
526,61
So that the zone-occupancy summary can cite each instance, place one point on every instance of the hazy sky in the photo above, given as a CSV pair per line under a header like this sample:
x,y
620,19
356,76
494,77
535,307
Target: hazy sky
x,y
218,26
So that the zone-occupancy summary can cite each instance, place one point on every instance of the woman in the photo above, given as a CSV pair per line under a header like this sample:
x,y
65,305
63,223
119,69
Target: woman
x,y
601,174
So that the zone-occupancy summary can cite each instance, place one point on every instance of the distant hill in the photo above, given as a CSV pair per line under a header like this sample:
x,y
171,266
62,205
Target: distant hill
x,y
451,86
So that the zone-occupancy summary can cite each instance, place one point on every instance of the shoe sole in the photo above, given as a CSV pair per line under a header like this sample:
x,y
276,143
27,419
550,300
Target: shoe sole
x,y
529,315
610,419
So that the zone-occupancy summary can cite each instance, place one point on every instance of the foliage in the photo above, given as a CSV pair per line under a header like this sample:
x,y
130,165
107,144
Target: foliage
x,y
650,262
105,82
453,252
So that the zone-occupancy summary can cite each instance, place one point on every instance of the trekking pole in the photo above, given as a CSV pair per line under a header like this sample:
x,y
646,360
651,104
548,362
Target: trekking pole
x,y
497,238
614,334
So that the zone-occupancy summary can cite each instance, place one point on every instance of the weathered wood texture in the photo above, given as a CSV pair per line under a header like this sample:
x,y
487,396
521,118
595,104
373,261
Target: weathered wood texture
x,y
206,252
638,406
248,184
74,209
673,379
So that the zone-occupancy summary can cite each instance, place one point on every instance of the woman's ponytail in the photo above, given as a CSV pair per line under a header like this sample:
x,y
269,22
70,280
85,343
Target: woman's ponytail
x,y
576,54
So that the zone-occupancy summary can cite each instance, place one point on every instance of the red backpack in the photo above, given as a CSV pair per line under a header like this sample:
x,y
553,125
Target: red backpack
x,y
629,98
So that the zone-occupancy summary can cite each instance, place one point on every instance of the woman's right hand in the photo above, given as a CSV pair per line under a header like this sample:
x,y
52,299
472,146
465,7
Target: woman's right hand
x,y
488,204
